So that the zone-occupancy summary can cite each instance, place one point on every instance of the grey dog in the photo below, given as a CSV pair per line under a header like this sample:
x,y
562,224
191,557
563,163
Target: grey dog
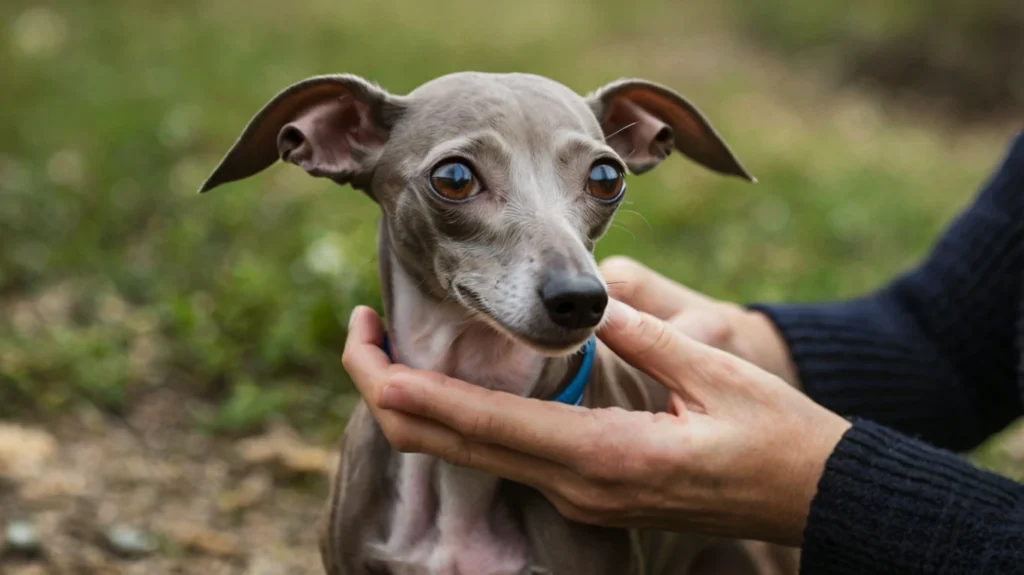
x,y
494,189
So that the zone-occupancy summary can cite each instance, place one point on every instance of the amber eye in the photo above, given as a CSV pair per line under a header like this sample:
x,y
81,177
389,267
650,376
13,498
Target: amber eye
x,y
454,182
606,183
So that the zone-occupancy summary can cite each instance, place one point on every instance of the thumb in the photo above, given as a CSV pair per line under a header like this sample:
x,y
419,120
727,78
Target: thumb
x,y
652,346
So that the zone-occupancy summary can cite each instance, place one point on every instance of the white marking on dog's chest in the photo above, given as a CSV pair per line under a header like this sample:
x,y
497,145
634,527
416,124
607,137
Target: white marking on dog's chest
x,y
447,520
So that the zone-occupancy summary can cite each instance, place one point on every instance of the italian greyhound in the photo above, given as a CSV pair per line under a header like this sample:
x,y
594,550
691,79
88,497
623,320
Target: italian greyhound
x,y
494,189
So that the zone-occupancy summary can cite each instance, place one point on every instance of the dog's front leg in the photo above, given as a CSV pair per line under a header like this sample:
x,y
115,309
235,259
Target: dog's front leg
x,y
359,498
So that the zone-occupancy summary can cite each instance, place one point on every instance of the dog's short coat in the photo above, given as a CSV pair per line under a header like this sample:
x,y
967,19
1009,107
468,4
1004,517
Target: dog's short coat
x,y
466,285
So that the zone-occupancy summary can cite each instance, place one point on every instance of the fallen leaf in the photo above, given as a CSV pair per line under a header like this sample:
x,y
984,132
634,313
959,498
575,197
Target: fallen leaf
x,y
24,451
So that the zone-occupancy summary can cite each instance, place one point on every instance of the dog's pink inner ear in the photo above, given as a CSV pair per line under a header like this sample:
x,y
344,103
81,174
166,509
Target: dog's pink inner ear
x,y
640,138
644,122
332,126
332,139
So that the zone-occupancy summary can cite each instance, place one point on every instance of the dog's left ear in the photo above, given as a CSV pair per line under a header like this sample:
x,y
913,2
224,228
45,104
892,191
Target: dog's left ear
x,y
643,121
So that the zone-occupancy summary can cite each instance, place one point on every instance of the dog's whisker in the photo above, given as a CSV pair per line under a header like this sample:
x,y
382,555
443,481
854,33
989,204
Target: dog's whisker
x,y
620,130
639,215
625,229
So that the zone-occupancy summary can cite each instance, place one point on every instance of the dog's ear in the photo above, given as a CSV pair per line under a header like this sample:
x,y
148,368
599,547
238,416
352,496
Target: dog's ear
x,y
331,126
643,121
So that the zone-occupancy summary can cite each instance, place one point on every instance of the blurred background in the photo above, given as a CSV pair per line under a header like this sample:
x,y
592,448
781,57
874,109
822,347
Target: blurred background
x,y
170,384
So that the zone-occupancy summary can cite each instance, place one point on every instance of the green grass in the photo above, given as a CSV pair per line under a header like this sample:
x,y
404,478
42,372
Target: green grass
x,y
116,278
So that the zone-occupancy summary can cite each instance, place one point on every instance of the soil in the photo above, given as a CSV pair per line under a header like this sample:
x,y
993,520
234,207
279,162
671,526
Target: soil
x,y
151,495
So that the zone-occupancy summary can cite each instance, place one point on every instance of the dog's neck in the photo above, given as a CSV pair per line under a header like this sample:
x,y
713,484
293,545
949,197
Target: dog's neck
x,y
426,332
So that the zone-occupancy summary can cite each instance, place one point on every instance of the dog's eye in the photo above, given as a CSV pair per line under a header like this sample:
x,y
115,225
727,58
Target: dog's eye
x,y
606,183
454,182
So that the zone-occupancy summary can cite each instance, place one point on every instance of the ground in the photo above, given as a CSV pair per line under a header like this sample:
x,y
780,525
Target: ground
x,y
208,505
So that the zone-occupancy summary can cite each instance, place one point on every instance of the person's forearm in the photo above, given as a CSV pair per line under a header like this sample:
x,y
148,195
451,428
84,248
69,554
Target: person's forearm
x,y
890,504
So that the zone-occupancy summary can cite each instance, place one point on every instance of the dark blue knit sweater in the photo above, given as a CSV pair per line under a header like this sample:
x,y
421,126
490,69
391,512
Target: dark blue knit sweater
x,y
933,359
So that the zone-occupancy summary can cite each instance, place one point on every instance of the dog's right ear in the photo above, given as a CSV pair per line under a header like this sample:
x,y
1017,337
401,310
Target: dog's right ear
x,y
331,126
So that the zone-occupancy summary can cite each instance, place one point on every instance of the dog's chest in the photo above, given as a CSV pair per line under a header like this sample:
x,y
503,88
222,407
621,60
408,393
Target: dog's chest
x,y
449,520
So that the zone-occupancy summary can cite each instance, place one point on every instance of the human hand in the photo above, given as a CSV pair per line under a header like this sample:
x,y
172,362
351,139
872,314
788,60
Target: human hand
x,y
730,327
740,455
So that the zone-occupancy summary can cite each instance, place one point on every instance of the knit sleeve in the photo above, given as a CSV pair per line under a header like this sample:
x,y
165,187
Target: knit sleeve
x,y
890,504
934,354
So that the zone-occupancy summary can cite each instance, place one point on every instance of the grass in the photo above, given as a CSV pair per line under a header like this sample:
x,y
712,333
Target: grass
x,y
116,278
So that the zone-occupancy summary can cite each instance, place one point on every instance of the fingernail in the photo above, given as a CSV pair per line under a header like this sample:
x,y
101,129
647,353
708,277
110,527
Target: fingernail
x,y
352,316
621,313
389,397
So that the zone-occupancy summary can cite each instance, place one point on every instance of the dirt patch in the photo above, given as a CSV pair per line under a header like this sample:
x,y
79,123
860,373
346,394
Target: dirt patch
x,y
151,495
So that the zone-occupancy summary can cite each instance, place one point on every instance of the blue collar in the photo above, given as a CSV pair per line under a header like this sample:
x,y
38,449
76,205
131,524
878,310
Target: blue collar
x,y
573,393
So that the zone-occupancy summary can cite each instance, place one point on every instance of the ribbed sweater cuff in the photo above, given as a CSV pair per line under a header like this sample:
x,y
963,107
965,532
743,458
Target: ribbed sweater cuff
x,y
887,503
863,358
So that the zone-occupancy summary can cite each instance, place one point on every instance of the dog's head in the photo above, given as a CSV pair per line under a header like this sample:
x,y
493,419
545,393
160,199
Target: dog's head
x,y
495,188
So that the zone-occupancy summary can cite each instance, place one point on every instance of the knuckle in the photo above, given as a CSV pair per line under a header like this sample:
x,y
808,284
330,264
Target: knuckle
x,y
436,379
656,334
401,438
719,334
725,326
347,360
599,504
709,326
662,337
587,497
396,369
716,367
444,381
460,453
479,425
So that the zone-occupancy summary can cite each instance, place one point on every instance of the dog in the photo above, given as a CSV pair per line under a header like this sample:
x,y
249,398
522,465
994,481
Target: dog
x,y
494,189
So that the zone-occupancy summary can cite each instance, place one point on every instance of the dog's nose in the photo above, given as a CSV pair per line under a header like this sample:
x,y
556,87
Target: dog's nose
x,y
574,301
